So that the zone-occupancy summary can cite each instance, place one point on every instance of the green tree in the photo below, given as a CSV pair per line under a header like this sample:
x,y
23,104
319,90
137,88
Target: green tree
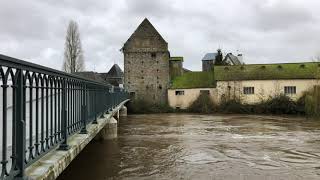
x,y
219,58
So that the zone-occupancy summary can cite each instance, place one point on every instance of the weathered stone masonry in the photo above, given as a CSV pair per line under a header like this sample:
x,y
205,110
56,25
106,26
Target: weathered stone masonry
x,y
146,64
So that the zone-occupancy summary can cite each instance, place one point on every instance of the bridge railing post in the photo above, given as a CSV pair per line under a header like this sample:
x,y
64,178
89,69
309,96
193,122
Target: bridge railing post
x,y
95,108
84,110
64,133
19,146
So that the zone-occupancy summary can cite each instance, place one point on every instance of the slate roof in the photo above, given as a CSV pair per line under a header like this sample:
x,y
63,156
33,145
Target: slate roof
x,y
145,29
209,56
115,71
234,59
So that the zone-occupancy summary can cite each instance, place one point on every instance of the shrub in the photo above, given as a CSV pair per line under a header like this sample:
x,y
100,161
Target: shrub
x,y
312,102
140,106
234,106
280,104
203,104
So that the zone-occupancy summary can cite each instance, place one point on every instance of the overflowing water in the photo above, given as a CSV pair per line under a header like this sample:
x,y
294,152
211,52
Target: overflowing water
x,y
184,146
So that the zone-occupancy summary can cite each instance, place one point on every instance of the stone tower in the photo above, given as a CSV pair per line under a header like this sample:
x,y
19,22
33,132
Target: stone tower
x,y
176,67
146,64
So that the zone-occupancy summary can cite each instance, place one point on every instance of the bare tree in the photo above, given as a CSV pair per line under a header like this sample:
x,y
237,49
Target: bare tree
x,y
73,54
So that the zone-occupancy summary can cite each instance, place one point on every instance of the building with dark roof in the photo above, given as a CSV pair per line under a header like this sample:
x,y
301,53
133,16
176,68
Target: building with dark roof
x,y
233,60
208,61
114,76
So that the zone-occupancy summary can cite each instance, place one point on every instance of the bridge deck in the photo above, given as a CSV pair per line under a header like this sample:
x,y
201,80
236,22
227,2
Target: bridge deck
x,y
55,162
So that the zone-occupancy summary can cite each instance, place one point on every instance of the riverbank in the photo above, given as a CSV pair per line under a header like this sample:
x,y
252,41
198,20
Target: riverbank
x,y
308,105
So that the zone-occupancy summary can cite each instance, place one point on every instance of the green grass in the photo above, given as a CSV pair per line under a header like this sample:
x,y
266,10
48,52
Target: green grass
x,y
176,58
194,80
308,70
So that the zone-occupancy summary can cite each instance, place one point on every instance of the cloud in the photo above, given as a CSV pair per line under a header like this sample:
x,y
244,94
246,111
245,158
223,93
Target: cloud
x,y
264,31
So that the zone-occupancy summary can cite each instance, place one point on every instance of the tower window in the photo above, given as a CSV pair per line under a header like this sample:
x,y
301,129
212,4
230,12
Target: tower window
x,y
160,87
153,55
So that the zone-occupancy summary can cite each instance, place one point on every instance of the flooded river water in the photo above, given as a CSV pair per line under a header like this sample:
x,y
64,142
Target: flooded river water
x,y
185,146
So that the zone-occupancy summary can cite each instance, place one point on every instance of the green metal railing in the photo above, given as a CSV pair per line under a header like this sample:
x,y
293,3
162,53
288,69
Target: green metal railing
x,y
41,107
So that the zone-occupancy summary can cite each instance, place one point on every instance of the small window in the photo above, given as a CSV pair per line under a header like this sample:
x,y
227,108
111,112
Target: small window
x,y
160,87
153,55
248,90
205,92
290,90
179,93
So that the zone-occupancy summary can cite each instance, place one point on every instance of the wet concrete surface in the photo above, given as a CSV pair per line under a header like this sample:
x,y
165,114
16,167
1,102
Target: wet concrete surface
x,y
187,146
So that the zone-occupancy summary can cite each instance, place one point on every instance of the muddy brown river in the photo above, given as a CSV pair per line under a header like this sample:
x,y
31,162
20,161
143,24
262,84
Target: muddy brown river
x,y
186,146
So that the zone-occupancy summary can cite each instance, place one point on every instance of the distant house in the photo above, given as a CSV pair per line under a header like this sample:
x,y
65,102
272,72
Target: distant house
x,y
208,61
90,75
114,76
233,60
248,84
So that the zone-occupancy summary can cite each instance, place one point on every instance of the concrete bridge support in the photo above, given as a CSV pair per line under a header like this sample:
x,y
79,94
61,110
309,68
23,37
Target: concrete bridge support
x,y
123,111
109,131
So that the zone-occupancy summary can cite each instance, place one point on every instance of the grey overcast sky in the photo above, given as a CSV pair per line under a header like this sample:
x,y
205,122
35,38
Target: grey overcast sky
x,y
264,31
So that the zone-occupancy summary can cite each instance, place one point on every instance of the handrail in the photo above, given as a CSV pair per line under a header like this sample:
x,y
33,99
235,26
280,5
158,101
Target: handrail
x,y
17,63
47,107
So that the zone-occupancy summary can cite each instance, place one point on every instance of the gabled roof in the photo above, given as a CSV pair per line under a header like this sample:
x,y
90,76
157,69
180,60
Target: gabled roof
x,y
209,56
234,59
115,71
145,29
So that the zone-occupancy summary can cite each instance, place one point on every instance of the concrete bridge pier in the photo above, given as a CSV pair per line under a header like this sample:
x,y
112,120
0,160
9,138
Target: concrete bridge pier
x,y
109,131
123,111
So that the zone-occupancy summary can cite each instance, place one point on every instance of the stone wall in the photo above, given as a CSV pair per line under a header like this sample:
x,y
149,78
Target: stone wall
x,y
147,75
176,69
